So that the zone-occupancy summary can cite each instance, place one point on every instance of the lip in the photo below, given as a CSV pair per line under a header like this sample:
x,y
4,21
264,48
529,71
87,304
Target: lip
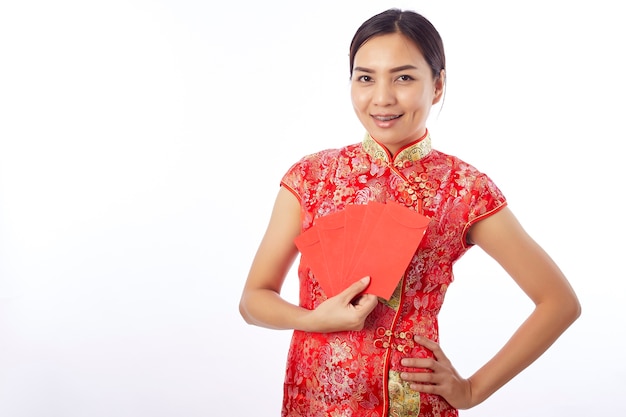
x,y
385,120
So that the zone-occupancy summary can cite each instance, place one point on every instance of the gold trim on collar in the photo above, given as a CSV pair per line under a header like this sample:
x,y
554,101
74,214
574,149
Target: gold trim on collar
x,y
410,154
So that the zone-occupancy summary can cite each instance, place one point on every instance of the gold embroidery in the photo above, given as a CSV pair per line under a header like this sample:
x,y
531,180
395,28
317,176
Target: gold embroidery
x,y
394,300
408,155
403,400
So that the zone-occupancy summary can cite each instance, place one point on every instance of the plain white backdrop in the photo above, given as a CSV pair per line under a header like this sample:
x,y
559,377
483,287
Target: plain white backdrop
x,y
141,147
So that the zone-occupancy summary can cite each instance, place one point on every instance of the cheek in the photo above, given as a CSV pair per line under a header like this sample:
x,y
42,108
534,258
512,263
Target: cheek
x,y
359,99
412,99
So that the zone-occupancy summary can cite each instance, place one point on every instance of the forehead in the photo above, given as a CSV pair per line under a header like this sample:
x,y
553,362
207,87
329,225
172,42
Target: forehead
x,y
389,50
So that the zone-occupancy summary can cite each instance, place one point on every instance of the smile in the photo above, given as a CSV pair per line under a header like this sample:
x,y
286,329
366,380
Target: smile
x,y
386,118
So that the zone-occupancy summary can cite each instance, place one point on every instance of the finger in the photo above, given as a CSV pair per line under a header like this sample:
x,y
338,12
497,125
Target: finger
x,y
432,346
355,289
366,302
426,388
420,365
426,342
423,377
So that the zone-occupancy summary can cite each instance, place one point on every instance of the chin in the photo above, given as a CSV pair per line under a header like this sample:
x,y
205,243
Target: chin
x,y
386,137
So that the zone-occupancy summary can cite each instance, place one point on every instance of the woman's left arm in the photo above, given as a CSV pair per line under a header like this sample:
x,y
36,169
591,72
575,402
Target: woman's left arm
x,y
556,308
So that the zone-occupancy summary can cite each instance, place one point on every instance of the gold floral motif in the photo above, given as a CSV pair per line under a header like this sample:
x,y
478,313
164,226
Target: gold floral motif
x,y
408,155
394,300
404,401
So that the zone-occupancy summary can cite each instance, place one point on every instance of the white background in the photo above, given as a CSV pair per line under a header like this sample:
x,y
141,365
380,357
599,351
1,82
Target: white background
x,y
141,147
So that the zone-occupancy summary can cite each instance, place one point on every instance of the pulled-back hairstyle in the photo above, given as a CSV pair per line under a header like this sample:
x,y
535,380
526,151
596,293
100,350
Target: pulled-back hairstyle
x,y
412,25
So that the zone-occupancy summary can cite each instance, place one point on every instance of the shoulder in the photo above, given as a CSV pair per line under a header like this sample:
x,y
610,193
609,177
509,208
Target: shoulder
x,y
449,161
464,186
321,161
330,154
318,166
456,169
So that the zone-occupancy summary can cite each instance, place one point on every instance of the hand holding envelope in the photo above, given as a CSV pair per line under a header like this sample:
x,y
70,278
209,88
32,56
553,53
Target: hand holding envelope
x,y
376,240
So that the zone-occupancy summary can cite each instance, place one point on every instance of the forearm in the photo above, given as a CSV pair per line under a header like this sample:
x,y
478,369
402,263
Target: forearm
x,y
531,340
346,311
266,308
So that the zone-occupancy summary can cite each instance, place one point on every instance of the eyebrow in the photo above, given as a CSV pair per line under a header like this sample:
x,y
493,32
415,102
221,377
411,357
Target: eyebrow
x,y
396,69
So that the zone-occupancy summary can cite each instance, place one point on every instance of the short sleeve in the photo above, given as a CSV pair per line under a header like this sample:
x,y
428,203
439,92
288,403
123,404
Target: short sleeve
x,y
294,178
485,199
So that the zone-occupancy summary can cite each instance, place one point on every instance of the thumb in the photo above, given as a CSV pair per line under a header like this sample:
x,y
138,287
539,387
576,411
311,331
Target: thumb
x,y
357,288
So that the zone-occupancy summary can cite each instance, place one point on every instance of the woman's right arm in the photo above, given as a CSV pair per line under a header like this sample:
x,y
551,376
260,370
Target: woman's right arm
x,y
261,303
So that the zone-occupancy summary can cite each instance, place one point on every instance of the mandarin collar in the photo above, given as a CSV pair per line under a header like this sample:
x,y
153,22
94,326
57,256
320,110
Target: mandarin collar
x,y
409,154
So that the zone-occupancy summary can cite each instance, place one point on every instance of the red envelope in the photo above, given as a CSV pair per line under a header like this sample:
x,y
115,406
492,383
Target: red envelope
x,y
376,240
357,241
354,219
390,247
310,247
331,232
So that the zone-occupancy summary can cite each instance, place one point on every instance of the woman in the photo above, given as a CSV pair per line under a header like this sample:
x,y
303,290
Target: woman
x,y
354,354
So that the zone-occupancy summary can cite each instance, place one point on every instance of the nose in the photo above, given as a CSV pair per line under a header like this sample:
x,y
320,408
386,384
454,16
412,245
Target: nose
x,y
383,94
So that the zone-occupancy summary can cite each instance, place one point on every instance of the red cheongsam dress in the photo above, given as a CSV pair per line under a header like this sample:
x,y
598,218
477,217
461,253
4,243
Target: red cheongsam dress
x,y
356,373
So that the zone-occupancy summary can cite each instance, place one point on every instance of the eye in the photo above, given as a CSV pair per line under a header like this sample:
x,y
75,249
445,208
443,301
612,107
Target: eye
x,y
365,79
405,78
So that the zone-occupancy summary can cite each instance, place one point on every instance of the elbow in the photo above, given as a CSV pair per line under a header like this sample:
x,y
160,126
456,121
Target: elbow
x,y
246,317
244,312
577,310
571,309
564,310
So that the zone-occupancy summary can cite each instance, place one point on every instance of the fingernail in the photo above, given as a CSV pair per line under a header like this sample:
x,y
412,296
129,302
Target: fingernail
x,y
365,280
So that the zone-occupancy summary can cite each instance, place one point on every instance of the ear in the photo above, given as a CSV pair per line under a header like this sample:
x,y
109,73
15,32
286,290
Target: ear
x,y
439,85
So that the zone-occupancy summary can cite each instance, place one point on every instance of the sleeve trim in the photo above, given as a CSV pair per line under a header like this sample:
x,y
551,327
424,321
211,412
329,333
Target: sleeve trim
x,y
469,224
294,192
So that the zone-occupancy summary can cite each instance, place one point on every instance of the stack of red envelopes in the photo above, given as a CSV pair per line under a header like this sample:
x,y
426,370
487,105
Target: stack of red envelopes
x,y
376,240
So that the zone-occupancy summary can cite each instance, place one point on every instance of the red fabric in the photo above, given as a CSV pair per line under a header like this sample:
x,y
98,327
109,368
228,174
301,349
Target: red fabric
x,y
355,373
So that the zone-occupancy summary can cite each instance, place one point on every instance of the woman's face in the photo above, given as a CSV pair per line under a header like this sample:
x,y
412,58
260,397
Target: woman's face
x,y
393,90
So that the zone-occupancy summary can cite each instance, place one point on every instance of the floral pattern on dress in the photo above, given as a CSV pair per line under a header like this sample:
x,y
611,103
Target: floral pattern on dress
x,y
355,373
